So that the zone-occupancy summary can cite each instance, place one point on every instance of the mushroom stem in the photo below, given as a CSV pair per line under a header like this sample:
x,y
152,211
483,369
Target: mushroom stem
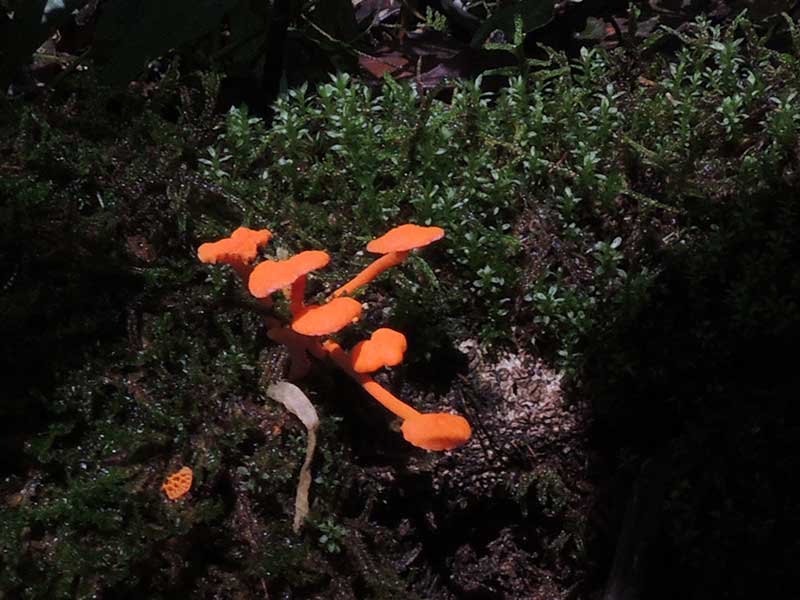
x,y
297,294
315,348
242,269
297,344
299,364
374,269
372,387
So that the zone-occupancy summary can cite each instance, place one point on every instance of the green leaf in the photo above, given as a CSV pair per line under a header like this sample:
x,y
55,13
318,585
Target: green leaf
x,y
534,14
131,32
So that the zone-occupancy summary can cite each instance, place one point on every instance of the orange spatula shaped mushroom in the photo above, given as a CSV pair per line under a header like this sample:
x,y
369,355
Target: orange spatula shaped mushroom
x,y
273,275
431,431
395,246
239,250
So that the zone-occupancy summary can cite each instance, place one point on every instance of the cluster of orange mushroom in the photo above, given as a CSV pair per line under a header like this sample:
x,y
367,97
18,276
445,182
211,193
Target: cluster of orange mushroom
x,y
303,337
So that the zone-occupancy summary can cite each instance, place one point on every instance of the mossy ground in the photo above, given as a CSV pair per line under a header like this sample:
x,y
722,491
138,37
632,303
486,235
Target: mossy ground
x,y
586,206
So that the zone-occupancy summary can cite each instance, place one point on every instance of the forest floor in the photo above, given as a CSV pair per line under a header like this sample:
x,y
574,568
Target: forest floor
x,y
611,294
131,362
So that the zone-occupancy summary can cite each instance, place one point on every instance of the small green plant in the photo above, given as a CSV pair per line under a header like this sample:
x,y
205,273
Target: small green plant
x,y
243,138
609,257
731,116
435,20
213,166
332,535
782,122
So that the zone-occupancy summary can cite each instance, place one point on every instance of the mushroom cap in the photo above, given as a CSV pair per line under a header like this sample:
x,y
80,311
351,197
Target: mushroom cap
x,y
178,484
436,431
384,348
404,238
273,275
327,318
241,246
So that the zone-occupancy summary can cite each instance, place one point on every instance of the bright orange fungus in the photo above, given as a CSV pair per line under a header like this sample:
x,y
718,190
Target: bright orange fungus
x,y
178,484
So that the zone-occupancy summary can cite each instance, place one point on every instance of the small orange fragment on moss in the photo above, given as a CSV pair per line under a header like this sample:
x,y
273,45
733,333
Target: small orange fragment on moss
x,y
178,484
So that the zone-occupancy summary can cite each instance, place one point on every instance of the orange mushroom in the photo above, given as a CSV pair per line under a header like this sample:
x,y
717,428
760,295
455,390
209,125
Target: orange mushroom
x,y
395,246
431,431
178,484
389,400
384,348
239,250
327,318
301,337
299,346
273,275
436,431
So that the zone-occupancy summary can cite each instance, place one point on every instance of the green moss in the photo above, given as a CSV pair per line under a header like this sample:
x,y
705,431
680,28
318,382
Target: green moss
x,y
557,158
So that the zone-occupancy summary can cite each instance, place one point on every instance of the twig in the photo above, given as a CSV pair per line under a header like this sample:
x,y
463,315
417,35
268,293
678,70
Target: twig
x,y
558,163
648,201
356,51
